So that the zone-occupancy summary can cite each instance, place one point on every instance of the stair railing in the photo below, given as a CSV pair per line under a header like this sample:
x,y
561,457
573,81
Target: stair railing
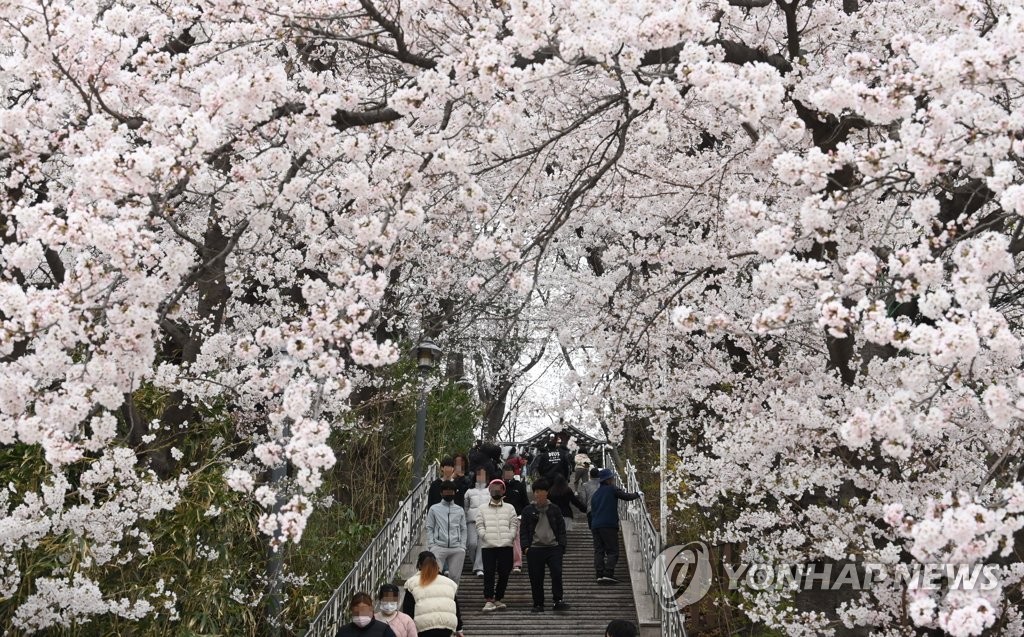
x,y
381,559
649,548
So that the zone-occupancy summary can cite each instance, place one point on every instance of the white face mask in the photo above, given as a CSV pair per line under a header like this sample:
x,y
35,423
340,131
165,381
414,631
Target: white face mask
x,y
388,608
362,620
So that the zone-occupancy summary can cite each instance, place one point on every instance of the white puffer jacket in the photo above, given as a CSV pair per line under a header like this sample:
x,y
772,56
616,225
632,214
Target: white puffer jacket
x,y
497,525
475,498
435,603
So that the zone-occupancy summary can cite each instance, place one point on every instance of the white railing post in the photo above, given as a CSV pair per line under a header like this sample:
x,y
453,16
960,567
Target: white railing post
x,y
649,547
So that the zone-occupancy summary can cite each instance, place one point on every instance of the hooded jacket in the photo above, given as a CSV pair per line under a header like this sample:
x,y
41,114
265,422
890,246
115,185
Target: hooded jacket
x,y
447,526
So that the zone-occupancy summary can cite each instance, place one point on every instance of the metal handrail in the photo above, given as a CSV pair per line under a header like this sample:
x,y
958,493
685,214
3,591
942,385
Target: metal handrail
x,y
381,559
649,545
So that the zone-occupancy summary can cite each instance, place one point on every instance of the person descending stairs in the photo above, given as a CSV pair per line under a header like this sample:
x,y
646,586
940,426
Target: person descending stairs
x,y
592,605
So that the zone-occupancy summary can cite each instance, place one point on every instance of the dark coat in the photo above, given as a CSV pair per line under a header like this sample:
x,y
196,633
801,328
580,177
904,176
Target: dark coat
x,y
552,461
604,506
564,500
531,515
374,629
515,494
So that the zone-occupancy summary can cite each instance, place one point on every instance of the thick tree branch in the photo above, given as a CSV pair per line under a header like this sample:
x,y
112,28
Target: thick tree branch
x,y
395,31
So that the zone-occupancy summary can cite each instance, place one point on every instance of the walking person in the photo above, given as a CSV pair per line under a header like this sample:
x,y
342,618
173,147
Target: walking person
x,y
553,460
447,475
476,498
589,488
604,525
447,531
515,494
562,497
517,461
400,623
544,542
462,478
497,524
582,469
363,624
430,599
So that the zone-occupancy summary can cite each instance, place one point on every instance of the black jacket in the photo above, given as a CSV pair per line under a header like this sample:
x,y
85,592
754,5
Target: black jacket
x,y
563,501
531,515
515,494
374,629
434,494
487,456
552,461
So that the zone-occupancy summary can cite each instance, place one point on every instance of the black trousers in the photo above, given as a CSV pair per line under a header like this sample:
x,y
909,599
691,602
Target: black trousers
x,y
606,551
496,560
435,632
537,558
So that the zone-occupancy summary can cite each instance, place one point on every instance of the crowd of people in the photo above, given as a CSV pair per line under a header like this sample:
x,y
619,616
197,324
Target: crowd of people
x,y
479,514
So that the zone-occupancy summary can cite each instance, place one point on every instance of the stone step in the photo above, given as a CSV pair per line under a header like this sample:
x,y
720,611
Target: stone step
x,y
592,605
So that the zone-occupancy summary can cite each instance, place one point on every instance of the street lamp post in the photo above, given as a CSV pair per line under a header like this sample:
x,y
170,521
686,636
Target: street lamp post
x,y
427,355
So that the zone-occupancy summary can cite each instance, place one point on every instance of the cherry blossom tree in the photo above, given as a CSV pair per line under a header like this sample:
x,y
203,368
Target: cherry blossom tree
x,y
787,230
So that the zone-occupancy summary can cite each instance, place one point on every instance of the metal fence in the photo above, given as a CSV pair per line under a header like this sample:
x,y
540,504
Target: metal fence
x,y
381,559
649,547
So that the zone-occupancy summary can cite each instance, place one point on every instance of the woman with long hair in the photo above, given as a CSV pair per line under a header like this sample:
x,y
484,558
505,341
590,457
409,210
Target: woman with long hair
x,y
430,599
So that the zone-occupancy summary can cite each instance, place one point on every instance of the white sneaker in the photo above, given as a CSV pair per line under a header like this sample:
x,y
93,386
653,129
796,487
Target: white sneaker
x,y
500,605
479,573
516,570
489,606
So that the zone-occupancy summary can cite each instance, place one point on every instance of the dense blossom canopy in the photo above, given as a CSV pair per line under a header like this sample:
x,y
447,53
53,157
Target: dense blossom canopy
x,y
786,232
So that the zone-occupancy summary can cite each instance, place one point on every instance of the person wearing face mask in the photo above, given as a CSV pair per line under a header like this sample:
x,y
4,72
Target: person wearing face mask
x,y
447,531
447,475
476,499
363,624
400,623
497,525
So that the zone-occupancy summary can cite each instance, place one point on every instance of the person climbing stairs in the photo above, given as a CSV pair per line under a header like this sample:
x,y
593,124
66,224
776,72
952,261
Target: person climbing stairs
x,y
591,604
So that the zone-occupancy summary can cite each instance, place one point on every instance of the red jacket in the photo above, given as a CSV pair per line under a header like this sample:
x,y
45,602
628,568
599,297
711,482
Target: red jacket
x,y
517,462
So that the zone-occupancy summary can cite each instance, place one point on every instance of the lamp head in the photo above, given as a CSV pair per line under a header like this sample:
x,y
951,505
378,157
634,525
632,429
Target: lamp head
x,y
427,355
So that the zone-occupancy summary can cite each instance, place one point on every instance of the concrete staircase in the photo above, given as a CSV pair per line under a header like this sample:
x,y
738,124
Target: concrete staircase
x,y
592,605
